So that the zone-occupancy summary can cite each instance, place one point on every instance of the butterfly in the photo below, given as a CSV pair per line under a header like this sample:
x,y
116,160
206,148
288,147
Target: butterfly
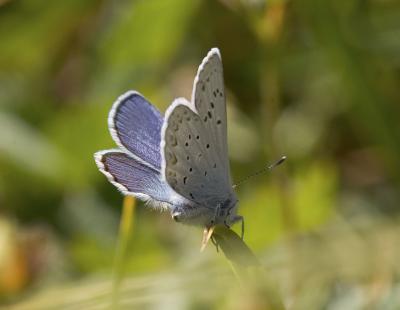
x,y
178,162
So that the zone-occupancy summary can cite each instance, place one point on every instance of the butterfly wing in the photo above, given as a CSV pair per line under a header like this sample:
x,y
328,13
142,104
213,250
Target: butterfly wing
x,y
208,98
132,177
194,146
135,126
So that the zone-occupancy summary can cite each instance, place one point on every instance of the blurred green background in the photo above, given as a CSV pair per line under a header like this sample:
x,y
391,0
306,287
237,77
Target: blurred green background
x,y
318,81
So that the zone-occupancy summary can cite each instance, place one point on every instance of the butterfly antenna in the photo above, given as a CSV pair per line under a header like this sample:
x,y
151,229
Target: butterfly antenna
x,y
268,168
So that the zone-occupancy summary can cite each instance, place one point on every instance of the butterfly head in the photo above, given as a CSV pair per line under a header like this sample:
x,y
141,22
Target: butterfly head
x,y
226,213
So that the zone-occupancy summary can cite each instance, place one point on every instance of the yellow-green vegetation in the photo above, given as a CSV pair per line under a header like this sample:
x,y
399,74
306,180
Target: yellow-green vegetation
x,y
317,81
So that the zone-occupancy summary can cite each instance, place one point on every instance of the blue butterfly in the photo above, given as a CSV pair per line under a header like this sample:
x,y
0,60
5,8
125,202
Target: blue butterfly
x,y
178,162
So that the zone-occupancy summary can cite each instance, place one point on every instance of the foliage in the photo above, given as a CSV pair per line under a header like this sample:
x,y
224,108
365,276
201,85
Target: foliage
x,y
316,81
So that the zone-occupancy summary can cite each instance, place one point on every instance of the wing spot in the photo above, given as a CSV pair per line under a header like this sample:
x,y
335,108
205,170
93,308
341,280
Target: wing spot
x,y
186,144
197,137
208,146
205,118
172,140
191,195
221,94
172,158
212,104
173,182
184,180
209,114
199,156
203,87
215,165
191,169
215,93
190,137
218,122
205,173
187,157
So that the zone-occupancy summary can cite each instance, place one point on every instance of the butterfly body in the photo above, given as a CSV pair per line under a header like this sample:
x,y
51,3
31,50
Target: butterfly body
x,y
178,162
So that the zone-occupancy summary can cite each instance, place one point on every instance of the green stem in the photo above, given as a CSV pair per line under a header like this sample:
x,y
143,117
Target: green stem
x,y
124,236
247,268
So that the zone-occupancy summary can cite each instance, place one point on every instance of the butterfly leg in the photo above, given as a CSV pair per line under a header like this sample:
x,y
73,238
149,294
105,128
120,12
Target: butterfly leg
x,y
214,241
207,233
214,220
241,219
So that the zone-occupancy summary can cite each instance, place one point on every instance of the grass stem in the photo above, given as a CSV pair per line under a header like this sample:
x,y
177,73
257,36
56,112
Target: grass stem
x,y
124,237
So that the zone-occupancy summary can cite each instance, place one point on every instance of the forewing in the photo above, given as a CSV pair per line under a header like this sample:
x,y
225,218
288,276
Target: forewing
x,y
135,125
192,164
209,100
132,177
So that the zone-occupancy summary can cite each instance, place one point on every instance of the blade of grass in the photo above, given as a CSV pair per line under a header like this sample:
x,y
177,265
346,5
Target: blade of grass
x,y
234,248
247,268
124,236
